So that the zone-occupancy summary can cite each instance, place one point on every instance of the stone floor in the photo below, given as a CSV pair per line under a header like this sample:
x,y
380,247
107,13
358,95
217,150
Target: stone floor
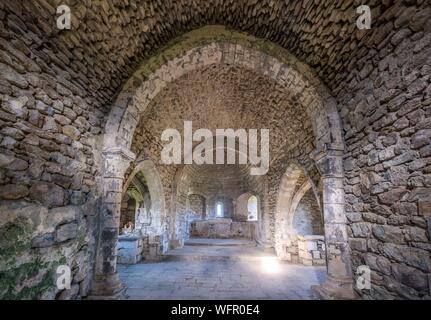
x,y
220,249
213,271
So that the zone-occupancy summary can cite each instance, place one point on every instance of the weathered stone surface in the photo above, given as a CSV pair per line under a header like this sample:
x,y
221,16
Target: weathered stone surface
x,y
48,194
421,138
410,277
71,132
380,79
69,294
358,244
392,196
66,232
425,208
13,191
361,229
12,76
411,256
43,241
389,234
378,263
61,215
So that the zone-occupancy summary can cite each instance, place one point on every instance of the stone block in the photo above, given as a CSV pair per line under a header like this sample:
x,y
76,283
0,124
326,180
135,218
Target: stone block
x,y
43,241
49,194
358,244
13,191
61,215
410,277
414,257
389,234
392,196
316,255
66,232
69,294
130,248
361,229
424,207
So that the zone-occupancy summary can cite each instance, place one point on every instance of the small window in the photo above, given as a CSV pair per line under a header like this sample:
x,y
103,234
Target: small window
x,y
219,209
252,209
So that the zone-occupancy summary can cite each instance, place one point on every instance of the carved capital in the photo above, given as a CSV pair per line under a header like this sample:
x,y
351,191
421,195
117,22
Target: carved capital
x,y
116,161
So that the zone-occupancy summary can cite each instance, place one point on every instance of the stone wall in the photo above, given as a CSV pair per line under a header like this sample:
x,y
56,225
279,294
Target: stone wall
x,y
311,250
197,204
385,105
57,88
36,240
308,218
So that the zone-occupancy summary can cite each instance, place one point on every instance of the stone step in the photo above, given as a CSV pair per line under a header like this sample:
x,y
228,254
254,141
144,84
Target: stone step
x,y
219,253
215,258
219,242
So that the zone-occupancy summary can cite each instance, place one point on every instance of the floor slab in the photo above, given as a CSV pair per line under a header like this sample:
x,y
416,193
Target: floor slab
x,y
220,252
215,280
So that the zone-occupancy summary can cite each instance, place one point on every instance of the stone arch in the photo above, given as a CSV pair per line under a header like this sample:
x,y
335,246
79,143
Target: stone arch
x,y
175,238
241,206
215,46
286,200
157,195
299,194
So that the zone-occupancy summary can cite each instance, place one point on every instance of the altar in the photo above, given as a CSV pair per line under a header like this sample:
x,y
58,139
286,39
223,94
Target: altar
x,y
223,228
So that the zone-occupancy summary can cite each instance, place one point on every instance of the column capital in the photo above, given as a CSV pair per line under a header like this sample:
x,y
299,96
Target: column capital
x,y
329,160
116,161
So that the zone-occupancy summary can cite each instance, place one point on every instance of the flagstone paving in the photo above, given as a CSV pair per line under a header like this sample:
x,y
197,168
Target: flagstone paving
x,y
220,280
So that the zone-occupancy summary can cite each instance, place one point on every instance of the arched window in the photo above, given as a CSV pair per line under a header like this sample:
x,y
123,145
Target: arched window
x,y
252,208
219,210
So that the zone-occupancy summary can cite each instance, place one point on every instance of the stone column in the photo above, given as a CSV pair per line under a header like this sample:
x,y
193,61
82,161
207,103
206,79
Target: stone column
x,y
339,283
105,282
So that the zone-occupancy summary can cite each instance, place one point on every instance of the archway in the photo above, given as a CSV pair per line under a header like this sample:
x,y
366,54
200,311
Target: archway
x,y
272,62
148,171
208,182
307,217
142,236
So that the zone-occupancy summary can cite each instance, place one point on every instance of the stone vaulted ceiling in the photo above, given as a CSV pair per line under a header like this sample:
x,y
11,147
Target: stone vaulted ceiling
x,y
223,97
111,37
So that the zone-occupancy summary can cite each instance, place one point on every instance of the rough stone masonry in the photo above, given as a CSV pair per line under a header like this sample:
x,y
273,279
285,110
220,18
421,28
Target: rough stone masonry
x,y
349,113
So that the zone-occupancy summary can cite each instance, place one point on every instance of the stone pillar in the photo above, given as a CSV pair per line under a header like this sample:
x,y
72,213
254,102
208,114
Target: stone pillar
x,y
105,282
339,283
